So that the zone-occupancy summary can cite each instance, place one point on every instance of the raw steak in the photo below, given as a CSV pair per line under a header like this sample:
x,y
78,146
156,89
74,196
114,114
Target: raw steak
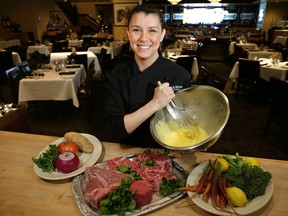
x,y
162,161
120,161
144,192
100,182
154,174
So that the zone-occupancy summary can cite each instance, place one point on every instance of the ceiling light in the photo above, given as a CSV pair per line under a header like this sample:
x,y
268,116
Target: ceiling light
x,y
215,1
174,2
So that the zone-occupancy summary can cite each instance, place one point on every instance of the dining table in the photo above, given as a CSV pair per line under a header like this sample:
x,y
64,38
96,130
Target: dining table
x,y
111,50
9,43
266,53
25,193
267,69
90,57
247,45
75,43
52,85
42,49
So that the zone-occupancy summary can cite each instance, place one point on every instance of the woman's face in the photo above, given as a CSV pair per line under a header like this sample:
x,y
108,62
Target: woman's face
x,y
145,34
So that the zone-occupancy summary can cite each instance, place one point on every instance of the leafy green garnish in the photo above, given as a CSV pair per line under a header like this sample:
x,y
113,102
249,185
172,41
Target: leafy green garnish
x,y
120,200
127,170
46,160
148,162
253,180
169,186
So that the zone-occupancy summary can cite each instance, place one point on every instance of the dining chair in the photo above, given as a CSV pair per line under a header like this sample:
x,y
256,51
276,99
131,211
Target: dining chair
x,y
13,78
37,59
80,59
104,61
203,76
249,75
86,90
186,62
278,106
6,62
217,82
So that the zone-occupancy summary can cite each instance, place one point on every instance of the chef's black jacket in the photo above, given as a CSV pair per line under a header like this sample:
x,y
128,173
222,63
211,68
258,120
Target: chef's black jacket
x,y
128,89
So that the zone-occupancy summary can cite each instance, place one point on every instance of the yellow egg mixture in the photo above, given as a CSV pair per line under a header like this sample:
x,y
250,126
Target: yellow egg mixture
x,y
178,137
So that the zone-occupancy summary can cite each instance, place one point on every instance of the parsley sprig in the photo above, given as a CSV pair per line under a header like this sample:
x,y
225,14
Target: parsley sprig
x,y
46,160
120,200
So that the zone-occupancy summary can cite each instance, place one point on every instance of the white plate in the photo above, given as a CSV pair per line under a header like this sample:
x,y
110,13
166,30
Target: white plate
x,y
253,206
86,160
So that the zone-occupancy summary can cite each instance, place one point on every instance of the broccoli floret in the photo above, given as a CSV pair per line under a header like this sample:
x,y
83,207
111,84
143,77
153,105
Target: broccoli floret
x,y
251,179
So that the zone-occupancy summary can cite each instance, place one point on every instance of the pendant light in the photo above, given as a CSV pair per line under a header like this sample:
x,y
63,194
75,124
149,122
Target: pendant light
x,y
174,2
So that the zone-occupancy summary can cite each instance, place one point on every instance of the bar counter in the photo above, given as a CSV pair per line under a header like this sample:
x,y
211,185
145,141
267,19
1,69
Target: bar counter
x,y
24,193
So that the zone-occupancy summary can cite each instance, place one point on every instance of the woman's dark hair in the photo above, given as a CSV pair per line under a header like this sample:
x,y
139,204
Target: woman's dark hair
x,y
147,9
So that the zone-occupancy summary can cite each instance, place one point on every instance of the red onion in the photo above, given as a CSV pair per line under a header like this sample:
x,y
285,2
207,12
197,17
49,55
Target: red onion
x,y
67,162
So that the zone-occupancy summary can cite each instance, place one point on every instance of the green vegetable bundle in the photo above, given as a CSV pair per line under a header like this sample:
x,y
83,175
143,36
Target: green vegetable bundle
x,y
253,180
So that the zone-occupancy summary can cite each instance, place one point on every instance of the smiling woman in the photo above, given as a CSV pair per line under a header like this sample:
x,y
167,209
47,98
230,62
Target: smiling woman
x,y
132,96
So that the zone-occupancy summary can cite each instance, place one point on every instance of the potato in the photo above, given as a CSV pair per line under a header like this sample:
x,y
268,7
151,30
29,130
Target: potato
x,y
83,143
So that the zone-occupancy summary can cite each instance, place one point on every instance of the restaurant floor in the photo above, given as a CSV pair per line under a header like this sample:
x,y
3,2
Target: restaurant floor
x,y
244,132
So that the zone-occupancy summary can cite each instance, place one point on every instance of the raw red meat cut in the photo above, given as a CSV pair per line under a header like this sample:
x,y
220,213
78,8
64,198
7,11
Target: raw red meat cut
x,y
154,174
162,161
120,161
100,182
144,192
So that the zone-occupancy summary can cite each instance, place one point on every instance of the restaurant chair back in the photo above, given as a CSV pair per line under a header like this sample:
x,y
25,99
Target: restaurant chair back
x,y
85,91
61,46
37,60
249,75
278,106
203,76
6,62
186,62
80,59
13,78
217,82
105,62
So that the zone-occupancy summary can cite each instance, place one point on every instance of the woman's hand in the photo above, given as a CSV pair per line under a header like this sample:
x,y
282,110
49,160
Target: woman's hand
x,y
162,96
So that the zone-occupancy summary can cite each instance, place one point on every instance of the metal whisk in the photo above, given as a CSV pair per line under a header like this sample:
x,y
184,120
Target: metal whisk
x,y
177,120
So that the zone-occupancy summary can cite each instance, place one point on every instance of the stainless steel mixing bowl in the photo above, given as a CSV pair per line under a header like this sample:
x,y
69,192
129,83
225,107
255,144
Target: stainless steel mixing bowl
x,y
208,106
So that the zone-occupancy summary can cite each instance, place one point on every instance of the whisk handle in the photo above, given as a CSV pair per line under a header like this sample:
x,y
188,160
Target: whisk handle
x,y
172,103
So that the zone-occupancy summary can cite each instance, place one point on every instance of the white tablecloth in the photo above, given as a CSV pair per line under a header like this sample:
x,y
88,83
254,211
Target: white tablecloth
x,y
42,49
267,70
90,56
9,43
262,54
194,69
75,43
52,86
244,45
113,51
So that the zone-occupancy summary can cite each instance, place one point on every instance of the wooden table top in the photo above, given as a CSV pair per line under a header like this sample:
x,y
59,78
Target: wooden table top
x,y
24,193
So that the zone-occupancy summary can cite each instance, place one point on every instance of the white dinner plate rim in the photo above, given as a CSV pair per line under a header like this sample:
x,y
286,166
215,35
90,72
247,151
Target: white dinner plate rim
x,y
253,206
90,159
